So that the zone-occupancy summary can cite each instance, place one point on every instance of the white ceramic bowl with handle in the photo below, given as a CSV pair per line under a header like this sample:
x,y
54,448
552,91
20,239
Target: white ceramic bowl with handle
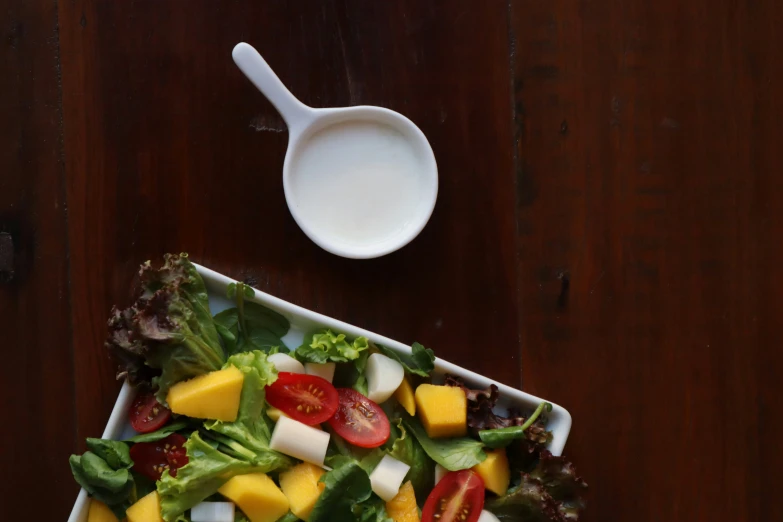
x,y
362,181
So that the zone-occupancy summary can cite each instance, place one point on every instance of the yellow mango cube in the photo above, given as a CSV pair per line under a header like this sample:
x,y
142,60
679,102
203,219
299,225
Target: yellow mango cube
x,y
100,512
300,484
214,395
495,471
273,413
443,410
257,496
404,395
403,508
146,509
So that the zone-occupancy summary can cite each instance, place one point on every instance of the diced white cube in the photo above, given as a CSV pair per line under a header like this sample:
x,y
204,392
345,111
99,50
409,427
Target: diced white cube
x,y
387,477
486,516
212,512
324,371
440,472
299,441
285,363
384,376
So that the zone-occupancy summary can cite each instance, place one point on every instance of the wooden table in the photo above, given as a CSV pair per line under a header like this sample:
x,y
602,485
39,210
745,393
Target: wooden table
x,y
607,234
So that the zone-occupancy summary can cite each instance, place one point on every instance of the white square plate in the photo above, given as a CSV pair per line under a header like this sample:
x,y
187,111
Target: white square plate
x,y
302,321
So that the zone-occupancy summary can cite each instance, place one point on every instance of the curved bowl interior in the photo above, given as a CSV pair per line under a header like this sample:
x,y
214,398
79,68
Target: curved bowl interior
x,y
342,126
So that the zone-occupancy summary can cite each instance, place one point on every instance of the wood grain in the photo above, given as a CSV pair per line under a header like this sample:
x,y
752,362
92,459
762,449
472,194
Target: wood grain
x,y
649,179
606,231
36,374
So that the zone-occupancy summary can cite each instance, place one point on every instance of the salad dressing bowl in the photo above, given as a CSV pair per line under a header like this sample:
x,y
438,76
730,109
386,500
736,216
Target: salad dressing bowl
x,y
361,182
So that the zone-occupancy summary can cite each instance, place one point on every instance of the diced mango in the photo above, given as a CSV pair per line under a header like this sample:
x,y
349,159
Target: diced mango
x,y
100,512
443,410
257,496
495,471
273,413
404,396
300,484
403,508
146,509
214,395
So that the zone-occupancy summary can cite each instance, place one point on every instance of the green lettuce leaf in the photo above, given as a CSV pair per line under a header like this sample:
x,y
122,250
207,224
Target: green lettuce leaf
x,y
250,326
327,346
207,469
346,487
224,449
421,361
453,454
408,450
250,429
168,335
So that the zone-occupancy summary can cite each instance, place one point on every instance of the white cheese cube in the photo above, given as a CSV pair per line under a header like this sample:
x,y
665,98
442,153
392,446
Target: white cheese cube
x,y
212,512
384,376
285,363
299,441
486,516
387,477
324,371
440,472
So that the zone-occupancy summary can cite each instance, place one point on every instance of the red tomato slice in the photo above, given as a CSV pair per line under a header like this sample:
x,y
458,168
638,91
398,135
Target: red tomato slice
x,y
306,398
458,497
359,420
151,459
147,414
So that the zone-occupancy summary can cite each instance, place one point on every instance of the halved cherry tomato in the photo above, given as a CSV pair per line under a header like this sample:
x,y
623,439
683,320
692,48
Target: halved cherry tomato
x,y
151,459
147,414
306,398
458,497
359,420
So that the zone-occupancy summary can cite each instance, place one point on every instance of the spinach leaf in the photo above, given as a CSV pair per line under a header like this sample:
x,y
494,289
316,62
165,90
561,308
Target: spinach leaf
x,y
372,510
112,483
115,453
453,454
326,346
250,326
502,437
346,486
288,517
352,375
408,450
102,475
421,361
207,469
169,330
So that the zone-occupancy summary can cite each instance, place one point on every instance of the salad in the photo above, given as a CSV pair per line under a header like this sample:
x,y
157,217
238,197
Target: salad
x,y
232,425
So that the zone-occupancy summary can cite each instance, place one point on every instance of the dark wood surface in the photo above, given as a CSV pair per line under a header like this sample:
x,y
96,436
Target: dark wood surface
x,y
607,233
